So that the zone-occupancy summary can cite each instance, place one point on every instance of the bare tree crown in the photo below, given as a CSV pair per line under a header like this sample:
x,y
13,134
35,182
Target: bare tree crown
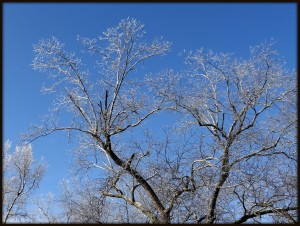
x,y
21,176
235,137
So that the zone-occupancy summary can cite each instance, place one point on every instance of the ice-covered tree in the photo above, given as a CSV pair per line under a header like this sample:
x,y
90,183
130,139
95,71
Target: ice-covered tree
x,y
231,157
21,175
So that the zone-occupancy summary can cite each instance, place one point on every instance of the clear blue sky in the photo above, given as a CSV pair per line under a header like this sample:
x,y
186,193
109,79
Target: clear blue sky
x,y
220,27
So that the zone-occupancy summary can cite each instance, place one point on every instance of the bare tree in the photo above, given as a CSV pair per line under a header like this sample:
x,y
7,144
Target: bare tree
x,y
108,105
232,157
46,209
246,112
20,177
82,201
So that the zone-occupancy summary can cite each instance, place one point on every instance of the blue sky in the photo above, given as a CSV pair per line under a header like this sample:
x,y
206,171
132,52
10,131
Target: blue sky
x,y
220,27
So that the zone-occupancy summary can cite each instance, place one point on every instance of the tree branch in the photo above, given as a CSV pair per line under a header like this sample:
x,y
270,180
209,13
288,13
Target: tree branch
x,y
260,213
